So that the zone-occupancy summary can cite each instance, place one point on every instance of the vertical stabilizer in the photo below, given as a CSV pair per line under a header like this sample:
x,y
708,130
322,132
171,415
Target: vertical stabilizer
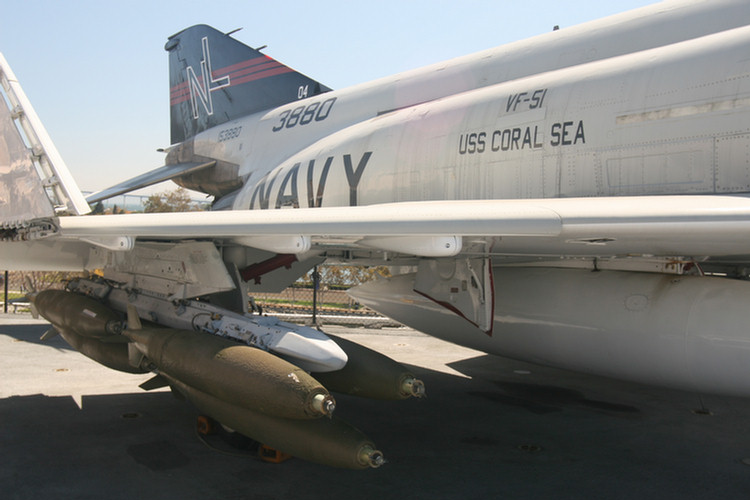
x,y
213,79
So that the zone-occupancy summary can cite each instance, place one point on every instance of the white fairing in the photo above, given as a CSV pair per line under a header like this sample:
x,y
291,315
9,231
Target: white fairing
x,y
686,332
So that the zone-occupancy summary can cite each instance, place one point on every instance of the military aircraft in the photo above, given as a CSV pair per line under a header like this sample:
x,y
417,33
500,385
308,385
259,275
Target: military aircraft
x,y
578,199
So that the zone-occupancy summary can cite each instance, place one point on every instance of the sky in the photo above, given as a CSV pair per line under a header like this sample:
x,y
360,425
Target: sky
x,y
97,74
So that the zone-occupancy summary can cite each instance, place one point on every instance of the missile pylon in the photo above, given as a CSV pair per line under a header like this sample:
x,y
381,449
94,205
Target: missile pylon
x,y
237,374
370,374
326,441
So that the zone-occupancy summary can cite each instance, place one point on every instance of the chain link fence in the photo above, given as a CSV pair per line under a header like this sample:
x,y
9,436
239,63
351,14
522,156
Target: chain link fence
x,y
323,300
300,303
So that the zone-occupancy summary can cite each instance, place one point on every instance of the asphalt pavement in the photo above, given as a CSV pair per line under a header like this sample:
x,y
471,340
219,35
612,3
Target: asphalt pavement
x,y
490,428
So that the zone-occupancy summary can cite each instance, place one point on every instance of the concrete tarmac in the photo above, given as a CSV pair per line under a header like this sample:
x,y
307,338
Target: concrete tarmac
x,y
490,428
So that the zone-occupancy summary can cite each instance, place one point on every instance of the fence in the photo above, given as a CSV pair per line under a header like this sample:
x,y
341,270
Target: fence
x,y
320,297
16,285
300,303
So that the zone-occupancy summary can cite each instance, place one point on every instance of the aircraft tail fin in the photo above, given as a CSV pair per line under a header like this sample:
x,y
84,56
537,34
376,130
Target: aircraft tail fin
x,y
214,78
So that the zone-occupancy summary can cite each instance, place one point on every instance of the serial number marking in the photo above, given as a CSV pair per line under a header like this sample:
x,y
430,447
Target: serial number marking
x,y
230,133
303,115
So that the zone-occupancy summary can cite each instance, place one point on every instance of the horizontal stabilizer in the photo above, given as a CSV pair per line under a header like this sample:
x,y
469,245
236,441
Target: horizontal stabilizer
x,y
155,176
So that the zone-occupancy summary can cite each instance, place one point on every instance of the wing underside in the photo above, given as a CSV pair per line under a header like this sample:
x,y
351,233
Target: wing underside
x,y
700,226
697,227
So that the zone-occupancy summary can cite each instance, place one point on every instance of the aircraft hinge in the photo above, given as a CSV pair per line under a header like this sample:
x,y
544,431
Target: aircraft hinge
x,y
24,230
50,181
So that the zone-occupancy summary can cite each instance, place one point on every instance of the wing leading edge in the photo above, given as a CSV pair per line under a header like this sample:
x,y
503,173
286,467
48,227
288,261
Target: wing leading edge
x,y
654,225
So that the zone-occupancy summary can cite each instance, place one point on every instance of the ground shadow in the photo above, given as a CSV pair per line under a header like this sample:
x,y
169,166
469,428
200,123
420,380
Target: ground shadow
x,y
32,334
479,436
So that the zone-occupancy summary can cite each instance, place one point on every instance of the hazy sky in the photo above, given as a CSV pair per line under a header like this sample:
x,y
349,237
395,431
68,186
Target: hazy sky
x,y
97,73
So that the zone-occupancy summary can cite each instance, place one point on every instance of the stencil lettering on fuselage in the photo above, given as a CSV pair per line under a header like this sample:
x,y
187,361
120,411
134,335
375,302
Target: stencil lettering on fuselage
x,y
523,137
288,193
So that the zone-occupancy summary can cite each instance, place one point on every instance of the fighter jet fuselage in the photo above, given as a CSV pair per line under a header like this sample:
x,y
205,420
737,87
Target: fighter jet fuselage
x,y
578,199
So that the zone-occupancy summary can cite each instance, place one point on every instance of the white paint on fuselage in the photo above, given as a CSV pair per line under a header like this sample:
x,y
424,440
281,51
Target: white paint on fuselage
x,y
686,332
563,140
258,149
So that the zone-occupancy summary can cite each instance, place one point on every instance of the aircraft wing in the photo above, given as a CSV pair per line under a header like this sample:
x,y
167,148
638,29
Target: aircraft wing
x,y
696,226
655,225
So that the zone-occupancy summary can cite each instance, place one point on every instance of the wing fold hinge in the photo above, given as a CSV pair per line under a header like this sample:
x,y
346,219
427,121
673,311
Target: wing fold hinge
x,y
27,230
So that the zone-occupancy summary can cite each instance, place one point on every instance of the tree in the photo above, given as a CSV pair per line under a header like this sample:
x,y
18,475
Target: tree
x,y
41,280
171,201
346,276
